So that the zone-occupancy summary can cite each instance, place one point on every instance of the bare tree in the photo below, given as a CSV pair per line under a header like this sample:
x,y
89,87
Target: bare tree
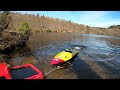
x,y
5,19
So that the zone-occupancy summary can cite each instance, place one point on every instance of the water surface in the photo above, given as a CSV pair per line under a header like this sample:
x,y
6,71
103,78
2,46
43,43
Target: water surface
x,y
98,58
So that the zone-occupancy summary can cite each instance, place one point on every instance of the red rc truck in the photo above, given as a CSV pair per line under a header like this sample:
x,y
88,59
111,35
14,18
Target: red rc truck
x,y
26,71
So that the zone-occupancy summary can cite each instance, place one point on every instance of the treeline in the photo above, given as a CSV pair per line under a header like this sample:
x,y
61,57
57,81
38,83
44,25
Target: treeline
x,y
115,27
47,24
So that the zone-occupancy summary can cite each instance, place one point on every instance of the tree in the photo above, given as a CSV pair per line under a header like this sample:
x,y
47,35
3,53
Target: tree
x,y
38,14
70,21
24,28
5,19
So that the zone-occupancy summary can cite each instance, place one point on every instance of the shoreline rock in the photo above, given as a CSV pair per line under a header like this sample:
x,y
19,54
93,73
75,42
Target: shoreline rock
x,y
10,41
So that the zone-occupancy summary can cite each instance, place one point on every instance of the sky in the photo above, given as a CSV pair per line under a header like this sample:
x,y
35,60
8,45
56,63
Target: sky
x,y
91,18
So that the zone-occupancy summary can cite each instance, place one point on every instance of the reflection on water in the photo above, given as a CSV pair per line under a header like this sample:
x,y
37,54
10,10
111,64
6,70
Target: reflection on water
x,y
97,54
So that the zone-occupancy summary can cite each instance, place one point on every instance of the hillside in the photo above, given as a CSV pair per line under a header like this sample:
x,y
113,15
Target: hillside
x,y
48,24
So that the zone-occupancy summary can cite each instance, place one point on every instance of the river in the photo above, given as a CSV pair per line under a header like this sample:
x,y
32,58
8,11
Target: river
x,y
98,57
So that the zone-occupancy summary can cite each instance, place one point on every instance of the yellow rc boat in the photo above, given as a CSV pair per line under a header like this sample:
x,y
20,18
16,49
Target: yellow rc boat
x,y
64,56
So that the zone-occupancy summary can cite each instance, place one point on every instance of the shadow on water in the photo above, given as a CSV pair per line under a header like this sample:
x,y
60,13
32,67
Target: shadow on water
x,y
111,68
23,51
83,70
15,57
